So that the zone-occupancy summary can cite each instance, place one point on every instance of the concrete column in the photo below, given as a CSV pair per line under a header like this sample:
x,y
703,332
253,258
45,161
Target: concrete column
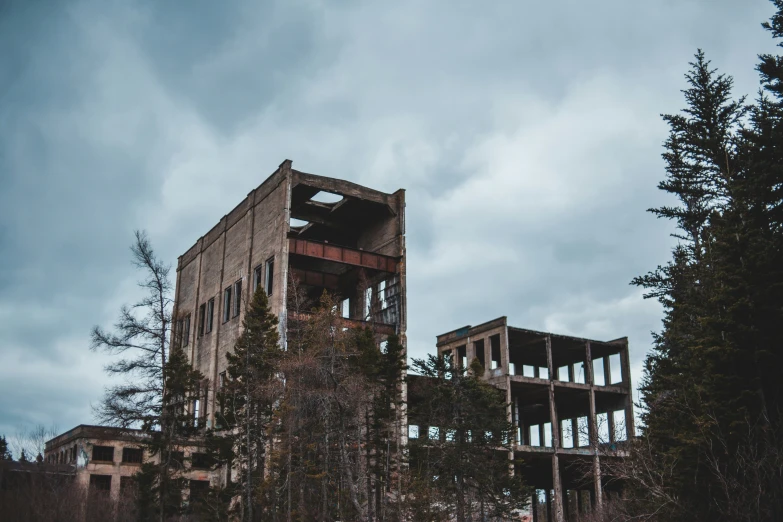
x,y
557,484
628,406
607,371
593,430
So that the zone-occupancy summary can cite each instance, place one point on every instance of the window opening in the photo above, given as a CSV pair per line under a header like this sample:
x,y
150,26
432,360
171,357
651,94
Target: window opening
x,y
237,297
103,453
100,483
598,372
186,332
227,304
210,314
579,372
257,277
566,435
462,356
616,368
494,342
619,425
413,431
132,455
584,432
202,314
478,346
326,197
270,275
535,435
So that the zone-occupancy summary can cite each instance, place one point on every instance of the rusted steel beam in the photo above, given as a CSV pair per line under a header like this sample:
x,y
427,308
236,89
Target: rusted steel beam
x,y
313,278
349,256
386,329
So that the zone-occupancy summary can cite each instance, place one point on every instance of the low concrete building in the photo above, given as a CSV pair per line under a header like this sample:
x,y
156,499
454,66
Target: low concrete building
x,y
106,459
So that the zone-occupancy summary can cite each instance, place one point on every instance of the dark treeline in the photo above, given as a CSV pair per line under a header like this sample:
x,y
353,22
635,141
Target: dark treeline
x,y
712,394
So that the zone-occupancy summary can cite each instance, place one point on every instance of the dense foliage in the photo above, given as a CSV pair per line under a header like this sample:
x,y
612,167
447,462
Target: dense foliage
x,y
713,388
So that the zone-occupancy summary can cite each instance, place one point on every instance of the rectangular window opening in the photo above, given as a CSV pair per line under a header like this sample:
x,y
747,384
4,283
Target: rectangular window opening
x,y
227,304
616,367
566,434
579,373
562,374
548,434
494,342
100,483
462,356
535,435
237,297
602,423
543,372
413,431
478,347
186,331
270,275
200,461
528,371
584,432
258,278
619,425
210,314
132,455
598,372
202,315
103,453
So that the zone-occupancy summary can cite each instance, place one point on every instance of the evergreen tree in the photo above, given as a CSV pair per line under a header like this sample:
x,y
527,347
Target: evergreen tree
x,y
461,462
160,483
160,386
249,396
23,457
5,453
713,386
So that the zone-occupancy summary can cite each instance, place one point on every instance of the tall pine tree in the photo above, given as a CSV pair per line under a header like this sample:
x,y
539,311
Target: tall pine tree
x,y
713,382
249,397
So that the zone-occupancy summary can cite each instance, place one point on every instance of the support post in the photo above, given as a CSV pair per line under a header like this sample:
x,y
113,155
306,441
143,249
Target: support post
x,y
630,429
595,494
556,483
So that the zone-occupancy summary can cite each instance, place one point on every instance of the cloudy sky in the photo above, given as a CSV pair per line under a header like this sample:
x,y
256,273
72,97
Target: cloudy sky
x,y
527,135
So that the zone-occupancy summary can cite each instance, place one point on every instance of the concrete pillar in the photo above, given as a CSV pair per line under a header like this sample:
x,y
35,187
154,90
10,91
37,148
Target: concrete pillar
x,y
593,430
556,482
630,427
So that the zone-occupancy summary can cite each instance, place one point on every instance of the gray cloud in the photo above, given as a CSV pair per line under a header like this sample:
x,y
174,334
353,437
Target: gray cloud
x,y
527,135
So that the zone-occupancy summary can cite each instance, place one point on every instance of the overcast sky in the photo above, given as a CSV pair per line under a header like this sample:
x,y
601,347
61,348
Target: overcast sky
x,y
527,135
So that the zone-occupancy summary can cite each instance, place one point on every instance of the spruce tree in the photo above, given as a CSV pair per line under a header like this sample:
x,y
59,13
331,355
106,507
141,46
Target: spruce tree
x,y
5,453
462,461
249,396
714,379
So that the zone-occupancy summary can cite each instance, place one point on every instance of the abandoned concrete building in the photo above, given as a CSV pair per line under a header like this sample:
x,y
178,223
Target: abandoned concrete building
x,y
323,233
105,459
570,400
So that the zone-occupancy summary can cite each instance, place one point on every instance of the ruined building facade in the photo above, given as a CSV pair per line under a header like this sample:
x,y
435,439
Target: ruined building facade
x,y
322,233
569,398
